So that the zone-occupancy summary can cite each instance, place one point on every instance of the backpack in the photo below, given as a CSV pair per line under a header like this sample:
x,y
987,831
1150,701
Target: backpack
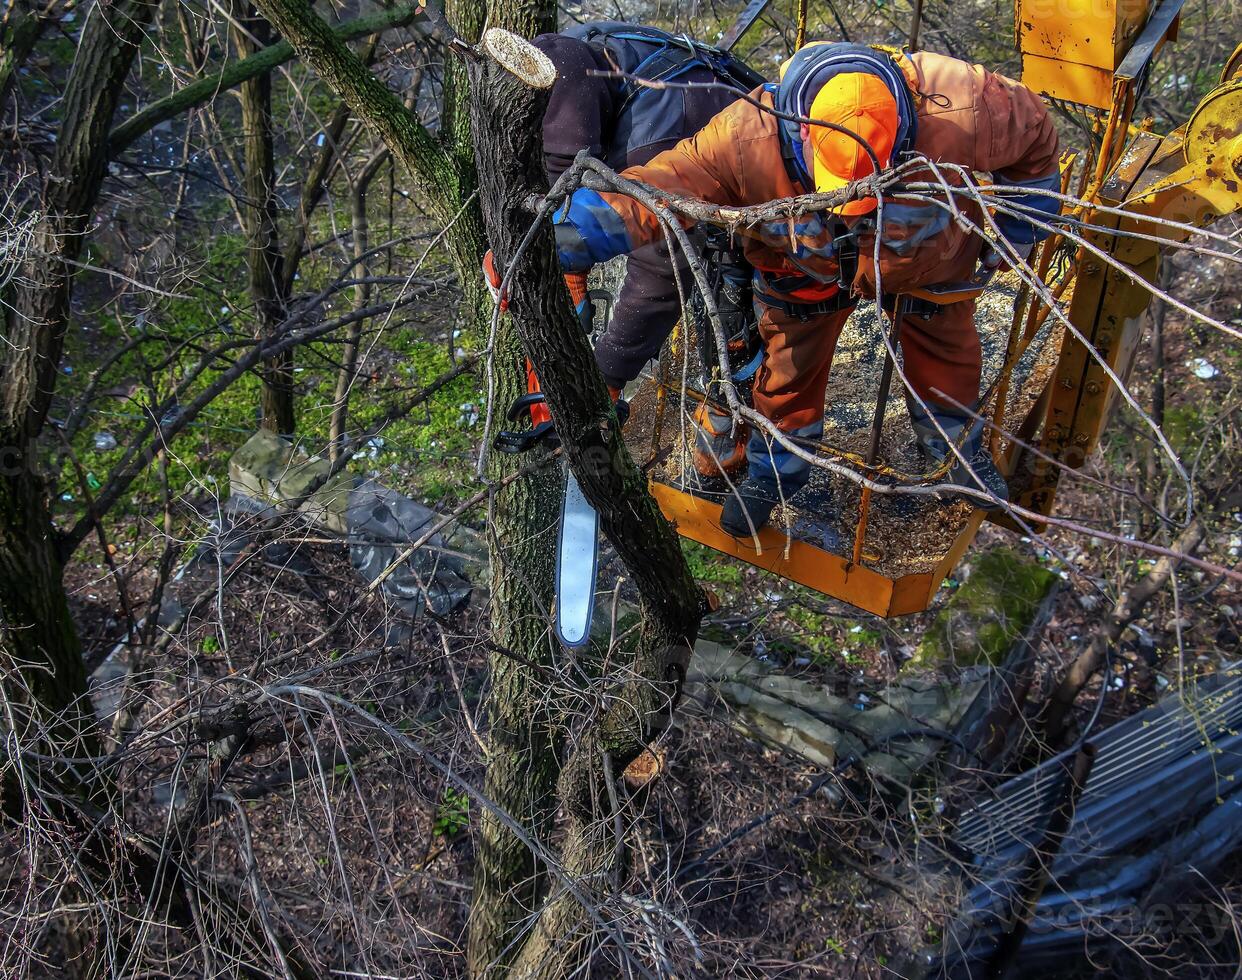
x,y
646,117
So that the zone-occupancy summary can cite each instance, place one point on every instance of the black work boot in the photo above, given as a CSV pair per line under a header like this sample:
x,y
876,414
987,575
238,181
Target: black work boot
x,y
982,475
935,432
746,510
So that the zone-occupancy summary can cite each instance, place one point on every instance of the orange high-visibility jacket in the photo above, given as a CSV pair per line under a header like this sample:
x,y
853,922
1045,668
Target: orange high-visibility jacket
x,y
967,116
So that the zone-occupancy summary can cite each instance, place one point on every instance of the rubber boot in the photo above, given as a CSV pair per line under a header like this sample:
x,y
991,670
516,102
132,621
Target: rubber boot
x,y
748,509
979,473
719,448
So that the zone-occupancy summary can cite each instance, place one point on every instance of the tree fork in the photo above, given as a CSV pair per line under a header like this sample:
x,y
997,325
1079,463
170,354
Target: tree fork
x,y
522,744
510,169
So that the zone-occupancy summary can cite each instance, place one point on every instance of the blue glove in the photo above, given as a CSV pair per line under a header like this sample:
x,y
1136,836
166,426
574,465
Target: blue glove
x,y
588,231
1019,231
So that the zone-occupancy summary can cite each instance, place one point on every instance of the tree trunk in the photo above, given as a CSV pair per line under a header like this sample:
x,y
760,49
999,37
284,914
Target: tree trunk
x,y
362,297
647,686
36,632
45,684
522,759
46,679
523,736
264,260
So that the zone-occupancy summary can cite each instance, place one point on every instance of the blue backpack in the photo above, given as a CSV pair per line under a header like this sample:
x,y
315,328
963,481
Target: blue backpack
x,y
650,117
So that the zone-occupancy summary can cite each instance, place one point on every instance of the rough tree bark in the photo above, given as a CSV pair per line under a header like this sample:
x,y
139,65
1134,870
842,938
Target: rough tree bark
x,y
510,167
45,686
264,259
37,636
520,760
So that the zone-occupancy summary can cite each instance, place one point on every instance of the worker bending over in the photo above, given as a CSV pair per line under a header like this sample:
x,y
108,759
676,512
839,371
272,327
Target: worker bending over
x,y
810,273
624,124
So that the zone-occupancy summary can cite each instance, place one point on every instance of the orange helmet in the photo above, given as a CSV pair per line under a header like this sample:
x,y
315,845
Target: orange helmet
x,y
861,103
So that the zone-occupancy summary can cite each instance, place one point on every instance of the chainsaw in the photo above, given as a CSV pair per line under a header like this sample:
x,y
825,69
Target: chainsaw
x,y
577,550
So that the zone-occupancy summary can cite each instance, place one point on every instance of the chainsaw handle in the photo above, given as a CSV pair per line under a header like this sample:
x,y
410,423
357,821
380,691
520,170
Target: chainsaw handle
x,y
524,403
508,441
535,403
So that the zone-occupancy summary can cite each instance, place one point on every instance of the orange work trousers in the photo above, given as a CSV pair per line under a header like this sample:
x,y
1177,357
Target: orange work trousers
x,y
941,352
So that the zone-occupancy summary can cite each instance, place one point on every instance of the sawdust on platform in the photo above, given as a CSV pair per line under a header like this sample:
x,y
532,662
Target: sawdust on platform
x,y
905,534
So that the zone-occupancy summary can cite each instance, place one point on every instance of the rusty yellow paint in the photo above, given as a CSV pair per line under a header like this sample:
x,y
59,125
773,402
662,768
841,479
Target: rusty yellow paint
x,y
1216,120
1071,48
1195,194
1087,32
1194,177
1075,410
1067,80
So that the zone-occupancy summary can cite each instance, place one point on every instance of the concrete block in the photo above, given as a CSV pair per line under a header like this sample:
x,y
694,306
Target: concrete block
x,y
995,608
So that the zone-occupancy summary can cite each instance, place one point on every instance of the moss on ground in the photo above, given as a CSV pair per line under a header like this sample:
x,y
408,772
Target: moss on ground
x,y
993,609
826,640
708,565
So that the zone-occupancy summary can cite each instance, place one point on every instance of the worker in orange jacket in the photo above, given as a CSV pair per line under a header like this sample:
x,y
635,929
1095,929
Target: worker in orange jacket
x,y
809,275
